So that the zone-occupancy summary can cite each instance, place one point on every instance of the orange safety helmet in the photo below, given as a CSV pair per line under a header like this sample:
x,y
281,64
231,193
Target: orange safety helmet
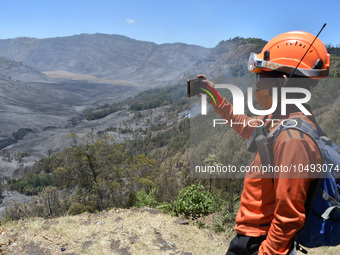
x,y
284,52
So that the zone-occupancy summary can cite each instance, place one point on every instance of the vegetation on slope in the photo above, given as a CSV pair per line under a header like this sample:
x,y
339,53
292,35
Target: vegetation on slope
x,y
97,173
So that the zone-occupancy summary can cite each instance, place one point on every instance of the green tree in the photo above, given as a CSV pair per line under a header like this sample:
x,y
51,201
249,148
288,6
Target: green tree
x,y
50,200
96,165
102,170
194,201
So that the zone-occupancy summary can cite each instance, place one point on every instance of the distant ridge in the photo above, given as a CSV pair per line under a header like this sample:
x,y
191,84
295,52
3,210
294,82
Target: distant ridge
x,y
109,57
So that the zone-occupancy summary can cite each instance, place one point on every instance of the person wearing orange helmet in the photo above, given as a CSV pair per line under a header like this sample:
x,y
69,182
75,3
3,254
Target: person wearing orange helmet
x,y
272,208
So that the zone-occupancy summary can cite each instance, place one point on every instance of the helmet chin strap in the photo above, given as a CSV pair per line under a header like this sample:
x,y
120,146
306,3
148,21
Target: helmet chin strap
x,y
281,84
285,80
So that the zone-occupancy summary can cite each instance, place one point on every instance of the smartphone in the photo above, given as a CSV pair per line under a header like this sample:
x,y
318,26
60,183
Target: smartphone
x,y
193,86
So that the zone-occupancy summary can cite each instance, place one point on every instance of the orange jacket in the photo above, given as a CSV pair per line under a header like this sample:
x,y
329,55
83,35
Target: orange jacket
x,y
274,208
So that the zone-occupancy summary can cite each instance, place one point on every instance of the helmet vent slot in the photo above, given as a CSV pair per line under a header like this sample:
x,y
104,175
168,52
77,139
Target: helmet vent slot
x,y
266,55
318,64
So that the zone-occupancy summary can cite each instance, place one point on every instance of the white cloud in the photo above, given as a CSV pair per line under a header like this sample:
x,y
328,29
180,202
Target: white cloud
x,y
130,21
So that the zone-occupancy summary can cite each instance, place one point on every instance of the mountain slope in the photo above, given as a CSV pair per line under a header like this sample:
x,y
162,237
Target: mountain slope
x,y
14,70
227,60
157,118
113,57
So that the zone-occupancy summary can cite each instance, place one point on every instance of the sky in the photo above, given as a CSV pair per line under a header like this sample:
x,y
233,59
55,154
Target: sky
x,y
199,22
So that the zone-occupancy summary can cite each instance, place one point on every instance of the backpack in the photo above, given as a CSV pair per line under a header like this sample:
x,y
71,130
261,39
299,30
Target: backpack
x,y
322,225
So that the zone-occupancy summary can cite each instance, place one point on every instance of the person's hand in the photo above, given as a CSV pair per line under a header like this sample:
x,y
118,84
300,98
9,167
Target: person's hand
x,y
206,81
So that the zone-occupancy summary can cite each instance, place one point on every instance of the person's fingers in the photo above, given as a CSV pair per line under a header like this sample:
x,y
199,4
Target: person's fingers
x,y
206,81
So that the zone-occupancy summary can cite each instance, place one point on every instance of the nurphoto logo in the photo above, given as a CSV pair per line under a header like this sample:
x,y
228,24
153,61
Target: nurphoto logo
x,y
238,99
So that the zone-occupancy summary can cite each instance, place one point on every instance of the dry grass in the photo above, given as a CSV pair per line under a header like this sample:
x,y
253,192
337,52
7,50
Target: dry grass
x,y
59,74
324,251
119,231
